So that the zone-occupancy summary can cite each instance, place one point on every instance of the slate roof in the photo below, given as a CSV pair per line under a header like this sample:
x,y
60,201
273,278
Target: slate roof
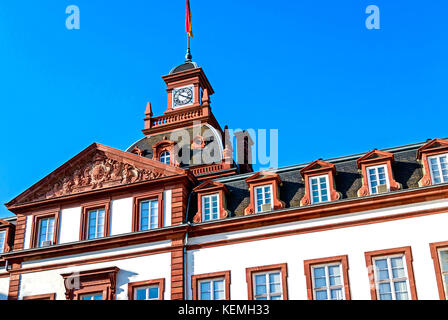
x,y
406,170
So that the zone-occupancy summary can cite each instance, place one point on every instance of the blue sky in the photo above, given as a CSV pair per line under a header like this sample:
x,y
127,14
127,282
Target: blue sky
x,y
309,68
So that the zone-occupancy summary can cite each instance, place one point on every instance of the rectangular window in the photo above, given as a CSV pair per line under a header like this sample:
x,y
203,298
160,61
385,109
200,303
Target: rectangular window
x,y
92,296
95,227
149,215
212,289
443,258
268,286
263,196
328,282
377,177
391,278
319,188
46,232
2,241
147,293
439,168
210,205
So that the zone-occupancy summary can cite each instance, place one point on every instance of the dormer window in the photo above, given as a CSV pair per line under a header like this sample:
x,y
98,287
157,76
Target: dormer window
x,y
210,205
434,159
263,198
378,180
319,177
46,232
165,157
164,151
439,168
211,201
319,189
377,175
264,192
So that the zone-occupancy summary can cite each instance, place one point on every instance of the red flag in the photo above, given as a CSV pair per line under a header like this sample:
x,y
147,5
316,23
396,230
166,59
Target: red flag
x,y
188,28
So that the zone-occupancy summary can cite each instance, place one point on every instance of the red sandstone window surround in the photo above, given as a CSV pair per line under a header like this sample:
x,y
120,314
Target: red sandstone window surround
x,y
439,254
134,286
90,207
251,274
210,189
165,147
264,179
50,296
137,210
380,261
377,174
341,262
432,156
88,282
196,281
319,177
45,216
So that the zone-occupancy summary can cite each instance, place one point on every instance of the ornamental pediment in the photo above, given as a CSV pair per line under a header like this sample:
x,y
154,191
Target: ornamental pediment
x,y
96,167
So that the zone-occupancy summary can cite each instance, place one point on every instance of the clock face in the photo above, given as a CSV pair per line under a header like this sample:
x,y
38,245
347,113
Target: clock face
x,y
183,96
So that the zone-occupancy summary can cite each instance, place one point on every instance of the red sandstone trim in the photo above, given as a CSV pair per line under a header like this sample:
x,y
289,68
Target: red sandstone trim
x,y
434,248
209,276
86,207
282,267
378,253
135,285
50,296
308,264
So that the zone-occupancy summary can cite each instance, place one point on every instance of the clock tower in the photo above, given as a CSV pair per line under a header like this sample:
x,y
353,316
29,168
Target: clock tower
x,y
188,92
187,86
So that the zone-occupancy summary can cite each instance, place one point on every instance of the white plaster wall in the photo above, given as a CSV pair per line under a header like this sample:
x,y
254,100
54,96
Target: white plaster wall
x,y
69,220
121,216
167,208
28,229
416,232
134,269
4,288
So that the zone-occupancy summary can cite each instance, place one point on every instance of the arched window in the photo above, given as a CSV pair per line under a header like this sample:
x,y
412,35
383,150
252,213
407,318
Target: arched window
x,y
165,157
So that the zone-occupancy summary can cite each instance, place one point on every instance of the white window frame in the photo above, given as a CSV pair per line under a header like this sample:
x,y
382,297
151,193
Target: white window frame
x,y
165,157
209,196
377,176
212,288
328,288
391,281
439,167
3,241
96,223
263,196
48,236
147,288
443,273
268,293
319,190
150,220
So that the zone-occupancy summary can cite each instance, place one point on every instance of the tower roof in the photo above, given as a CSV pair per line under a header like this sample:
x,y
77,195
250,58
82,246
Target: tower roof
x,y
187,65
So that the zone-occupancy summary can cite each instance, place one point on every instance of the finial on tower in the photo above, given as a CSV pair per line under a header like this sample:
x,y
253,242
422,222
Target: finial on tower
x,y
189,31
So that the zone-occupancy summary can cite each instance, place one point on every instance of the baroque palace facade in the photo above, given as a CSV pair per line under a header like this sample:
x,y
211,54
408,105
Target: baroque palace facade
x,y
158,222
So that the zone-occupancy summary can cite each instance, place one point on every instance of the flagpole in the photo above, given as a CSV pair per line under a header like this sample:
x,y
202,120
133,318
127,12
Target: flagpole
x,y
188,56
